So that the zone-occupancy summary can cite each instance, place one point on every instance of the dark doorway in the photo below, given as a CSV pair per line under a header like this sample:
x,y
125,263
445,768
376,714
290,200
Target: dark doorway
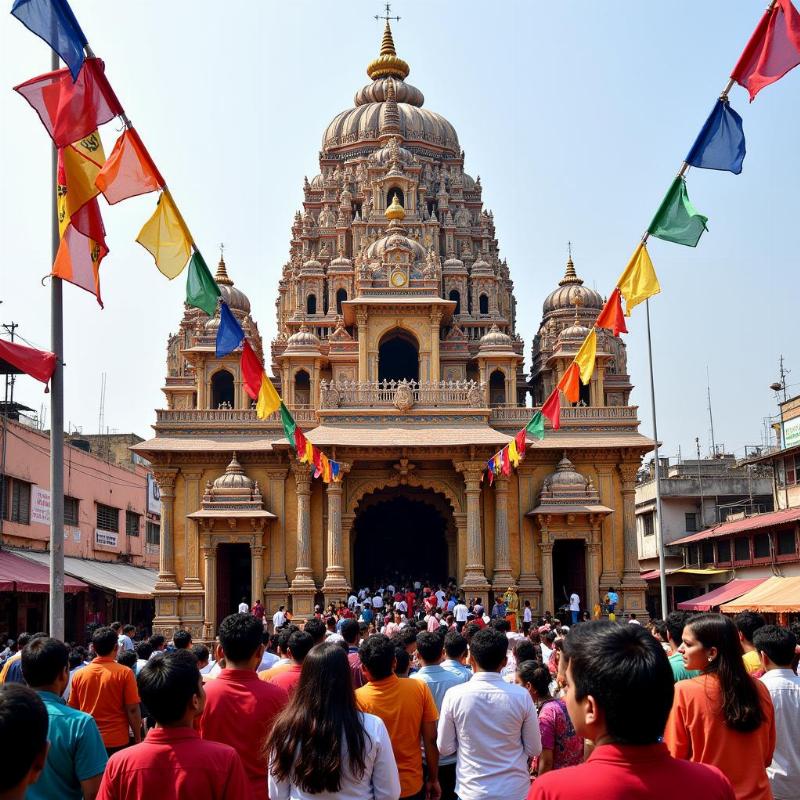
x,y
454,295
302,388
398,358
341,297
311,304
483,304
399,539
497,389
233,578
222,389
569,573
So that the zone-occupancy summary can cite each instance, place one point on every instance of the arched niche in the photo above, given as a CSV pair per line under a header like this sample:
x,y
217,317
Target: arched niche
x,y
398,356
222,389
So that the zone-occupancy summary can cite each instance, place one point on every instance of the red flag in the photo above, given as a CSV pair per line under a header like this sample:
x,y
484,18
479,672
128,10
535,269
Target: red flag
x,y
38,364
611,316
522,441
129,170
490,470
299,441
316,460
552,410
252,370
506,461
773,49
570,383
70,111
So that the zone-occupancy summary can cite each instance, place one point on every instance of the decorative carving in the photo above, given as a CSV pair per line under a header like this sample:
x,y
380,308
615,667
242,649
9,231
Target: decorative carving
x,y
403,397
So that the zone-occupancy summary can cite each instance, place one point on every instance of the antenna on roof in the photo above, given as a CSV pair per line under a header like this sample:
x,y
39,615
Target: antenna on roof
x,y
102,413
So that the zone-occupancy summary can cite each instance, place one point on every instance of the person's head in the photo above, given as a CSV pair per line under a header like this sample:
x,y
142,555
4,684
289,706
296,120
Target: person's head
x,y
429,648
455,646
659,630
105,641
611,589
22,640
241,638
676,621
76,657
182,640
775,645
377,657
322,711
45,664
23,738
200,652
408,638
350,631
747,623
470,629
158,641
711,643
535,678
316,629
283,639
619,682
525,650
129,630
300,642
257,603
502,625
116,627
402,662
127,658
330,623
144,650
487,650
171,688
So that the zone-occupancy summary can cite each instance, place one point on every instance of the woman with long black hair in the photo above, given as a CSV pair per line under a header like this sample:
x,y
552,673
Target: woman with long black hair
x,y
723,717
322,746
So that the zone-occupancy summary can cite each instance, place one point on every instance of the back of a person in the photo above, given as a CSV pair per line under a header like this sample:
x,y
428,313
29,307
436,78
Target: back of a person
x,y
103,689
566,745
287,679
784,771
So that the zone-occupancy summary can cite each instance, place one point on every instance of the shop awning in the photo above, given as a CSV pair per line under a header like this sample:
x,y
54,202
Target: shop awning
x,y
19,574
769,520
774,596
730,591
128,582
654,573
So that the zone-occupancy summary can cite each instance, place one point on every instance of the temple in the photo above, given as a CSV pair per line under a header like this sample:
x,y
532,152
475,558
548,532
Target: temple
x,y
397,353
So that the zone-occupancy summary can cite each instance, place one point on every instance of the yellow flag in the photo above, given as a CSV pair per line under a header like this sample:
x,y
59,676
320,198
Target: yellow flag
x,y
513,453
586,355
165,237
79,165
268,399
308,455
639,280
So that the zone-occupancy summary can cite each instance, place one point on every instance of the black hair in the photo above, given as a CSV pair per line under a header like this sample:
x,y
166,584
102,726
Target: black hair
x,y
402,661
537,675
144,650
240,636
182,639
778,643
115,626
23,732
350,630
429,646
43,660
157,640
105,641
525,650
316,628
126,629
283,636
22,640
300,643
76,657
311,735
455,645
127,658
408,635
676,621
627,673
488,647
330,622
501,625
470,629
748,622
660,627
377,655
167,685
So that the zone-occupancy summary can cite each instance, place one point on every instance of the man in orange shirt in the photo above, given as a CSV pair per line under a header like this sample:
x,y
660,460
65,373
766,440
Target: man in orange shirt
x,y
408,711
107,690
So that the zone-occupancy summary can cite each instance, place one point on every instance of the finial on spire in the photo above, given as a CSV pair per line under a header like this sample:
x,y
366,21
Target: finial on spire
x,y
570,276
222,273
386,15
387,64
569,250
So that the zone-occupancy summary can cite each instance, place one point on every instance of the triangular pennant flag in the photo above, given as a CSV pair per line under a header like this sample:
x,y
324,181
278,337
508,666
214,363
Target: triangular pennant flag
x,y
308,456
39,364
300,442
269,400
611,317
229,332
513,454
506,461
129,170
490,470
586,356
165,237
552,410
677,220
720,144
81,162
336,471
570,383
53,21
252,371
638,281
201,289
521,438
536,426
69,111
773,49
289,425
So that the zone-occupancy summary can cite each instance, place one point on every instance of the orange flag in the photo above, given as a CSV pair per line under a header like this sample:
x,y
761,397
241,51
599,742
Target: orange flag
x,y
611,316
569,383
129,170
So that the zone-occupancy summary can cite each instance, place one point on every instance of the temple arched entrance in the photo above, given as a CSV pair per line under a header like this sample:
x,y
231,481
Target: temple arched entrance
x,y
401,534
398,356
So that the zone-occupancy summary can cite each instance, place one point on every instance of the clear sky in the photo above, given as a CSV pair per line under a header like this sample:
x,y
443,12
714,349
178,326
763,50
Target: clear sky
x,y
576,115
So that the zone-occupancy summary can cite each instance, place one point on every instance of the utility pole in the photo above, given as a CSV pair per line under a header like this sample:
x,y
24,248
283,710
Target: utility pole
x,y
710,415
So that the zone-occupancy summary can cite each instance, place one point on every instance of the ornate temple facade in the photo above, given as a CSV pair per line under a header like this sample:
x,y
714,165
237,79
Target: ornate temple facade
x,y
398,354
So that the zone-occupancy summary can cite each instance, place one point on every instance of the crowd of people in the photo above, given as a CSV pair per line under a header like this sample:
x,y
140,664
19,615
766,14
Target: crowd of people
x,y
413,691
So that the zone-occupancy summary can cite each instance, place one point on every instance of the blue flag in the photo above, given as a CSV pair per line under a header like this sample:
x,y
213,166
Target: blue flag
x,y
720,144
53,21
229,333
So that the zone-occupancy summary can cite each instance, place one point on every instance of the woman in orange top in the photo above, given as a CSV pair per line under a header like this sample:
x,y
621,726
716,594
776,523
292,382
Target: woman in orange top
x,y
723,717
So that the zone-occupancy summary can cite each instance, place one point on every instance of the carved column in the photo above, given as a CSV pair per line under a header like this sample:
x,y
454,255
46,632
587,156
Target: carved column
x,y
257,566
593,566
548,594
335,585
209,552
165,476
475,570
502,556
435,319
191,580
633,586
363,344
303,587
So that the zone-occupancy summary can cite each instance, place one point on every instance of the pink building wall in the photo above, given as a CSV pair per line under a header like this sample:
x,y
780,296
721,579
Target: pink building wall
x,y
89,479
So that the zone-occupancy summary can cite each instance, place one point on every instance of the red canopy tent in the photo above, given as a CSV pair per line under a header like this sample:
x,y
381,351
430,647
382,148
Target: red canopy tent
x,y
21,575
731,590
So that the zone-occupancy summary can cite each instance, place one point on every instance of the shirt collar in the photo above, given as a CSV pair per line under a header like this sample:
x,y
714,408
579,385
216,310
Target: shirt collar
x,y
238,675
51,697
783,672
491,677
157,735
385,682
104,659
629,753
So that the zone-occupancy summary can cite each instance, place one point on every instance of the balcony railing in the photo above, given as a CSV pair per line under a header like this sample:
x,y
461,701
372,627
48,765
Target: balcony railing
x,y
401,394
228,416
506,416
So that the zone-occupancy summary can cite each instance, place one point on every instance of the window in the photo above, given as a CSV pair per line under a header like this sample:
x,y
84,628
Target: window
x,y
483,304
153,531
791,471
707,551
341,297
741,549
132,523
691,554
454,295
761,546
107,518
724,551
691,522
649,524
71,507
786,543
311,304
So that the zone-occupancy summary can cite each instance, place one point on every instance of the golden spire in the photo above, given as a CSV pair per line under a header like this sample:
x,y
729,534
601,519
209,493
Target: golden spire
x,y
222,274
395,210
387,64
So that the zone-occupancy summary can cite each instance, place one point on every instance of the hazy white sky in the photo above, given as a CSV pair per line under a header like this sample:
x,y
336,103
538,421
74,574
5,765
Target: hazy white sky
x,y
576,115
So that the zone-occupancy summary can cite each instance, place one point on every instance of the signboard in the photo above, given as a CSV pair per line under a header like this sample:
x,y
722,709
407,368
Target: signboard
x,y
74,532
105,538
791,432
153,495
40,505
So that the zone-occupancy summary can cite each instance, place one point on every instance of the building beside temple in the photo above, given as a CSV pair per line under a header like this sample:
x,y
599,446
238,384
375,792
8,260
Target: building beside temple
x,y
398,354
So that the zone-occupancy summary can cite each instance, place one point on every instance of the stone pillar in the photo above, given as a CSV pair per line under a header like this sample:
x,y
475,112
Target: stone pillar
x,y
361,320
303,587
165,476
209,551
633,587
593,568
435,319
191,580
548,593
335,585
502,556
257,567
475,570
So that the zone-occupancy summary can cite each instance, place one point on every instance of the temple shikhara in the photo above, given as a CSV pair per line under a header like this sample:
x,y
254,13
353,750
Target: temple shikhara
x,y
397,353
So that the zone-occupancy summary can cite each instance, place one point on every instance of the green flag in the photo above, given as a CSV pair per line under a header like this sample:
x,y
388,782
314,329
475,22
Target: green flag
x,y
201,289
289,424
536,426
677,220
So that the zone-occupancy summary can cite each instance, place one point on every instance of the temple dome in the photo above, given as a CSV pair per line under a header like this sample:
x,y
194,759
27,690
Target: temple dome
x,y
233,478
495,339
572,292
235,299
566,474
304,341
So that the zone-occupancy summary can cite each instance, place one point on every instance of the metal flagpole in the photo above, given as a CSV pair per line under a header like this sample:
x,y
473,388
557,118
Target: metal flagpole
x,y
56,615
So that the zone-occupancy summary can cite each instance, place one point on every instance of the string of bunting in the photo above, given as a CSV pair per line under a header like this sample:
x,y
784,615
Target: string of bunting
x,y
72,104
772,50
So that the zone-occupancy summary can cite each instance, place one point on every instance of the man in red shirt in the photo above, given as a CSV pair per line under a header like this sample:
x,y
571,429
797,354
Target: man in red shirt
x,y
619,695
300,642
173,762
240,709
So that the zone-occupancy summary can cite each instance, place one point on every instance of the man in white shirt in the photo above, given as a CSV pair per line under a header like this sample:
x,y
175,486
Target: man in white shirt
x,y
460,612
377,601
776,648
527,618
351,601
124,640
574,607
278,618
491,725
244,608
440,595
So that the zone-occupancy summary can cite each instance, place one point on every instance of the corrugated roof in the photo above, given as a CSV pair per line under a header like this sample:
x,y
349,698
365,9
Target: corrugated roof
x,y
568,440
191,444
405,436
31,575
774,596
753,523
732,589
